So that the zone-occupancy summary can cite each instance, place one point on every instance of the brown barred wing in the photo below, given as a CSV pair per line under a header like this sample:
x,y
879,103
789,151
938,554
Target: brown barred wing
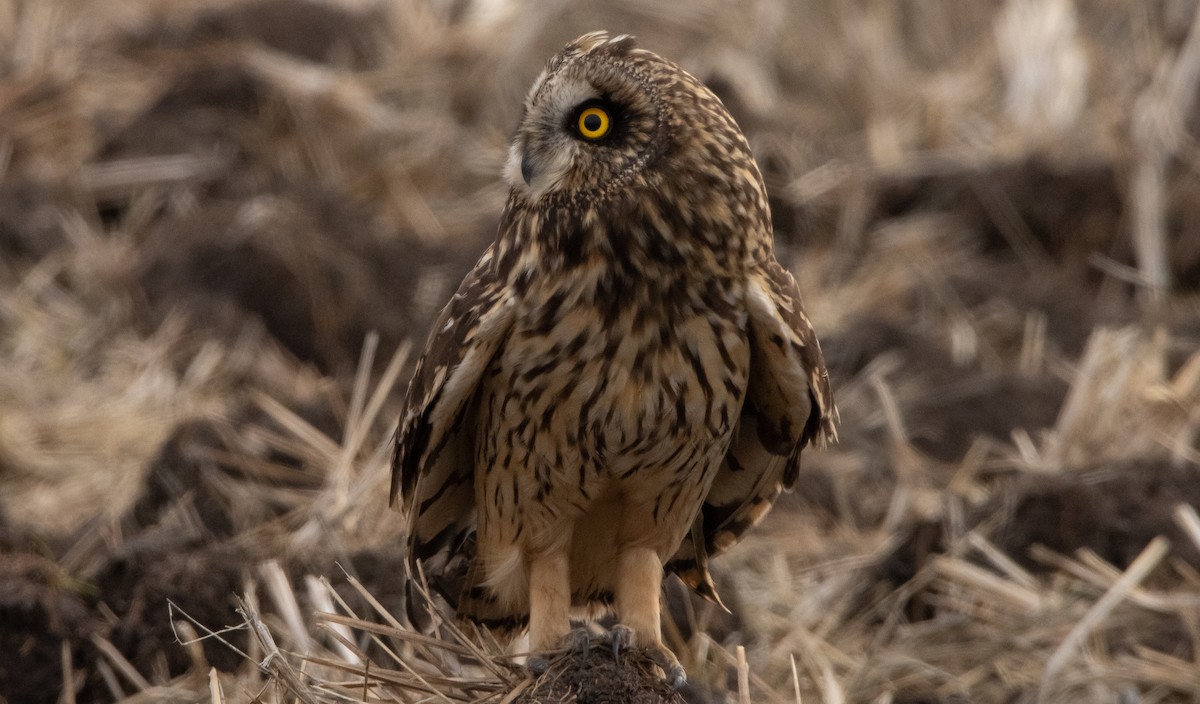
x,y
788,405
433,464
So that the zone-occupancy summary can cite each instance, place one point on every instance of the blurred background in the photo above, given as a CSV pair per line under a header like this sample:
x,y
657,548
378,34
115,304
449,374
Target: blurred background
x,y
225,227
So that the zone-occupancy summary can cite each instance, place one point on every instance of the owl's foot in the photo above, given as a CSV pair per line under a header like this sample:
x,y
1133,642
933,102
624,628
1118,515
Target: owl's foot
x,y
673,672
621,638
537,664
676,677
576,642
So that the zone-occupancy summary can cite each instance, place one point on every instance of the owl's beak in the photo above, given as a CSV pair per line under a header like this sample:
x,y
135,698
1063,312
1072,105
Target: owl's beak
x,y
527,168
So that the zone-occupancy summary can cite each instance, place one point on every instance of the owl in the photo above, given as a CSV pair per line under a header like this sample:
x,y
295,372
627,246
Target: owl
x,y
623,384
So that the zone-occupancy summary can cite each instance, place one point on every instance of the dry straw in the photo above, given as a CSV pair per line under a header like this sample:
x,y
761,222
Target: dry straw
x,y
223,227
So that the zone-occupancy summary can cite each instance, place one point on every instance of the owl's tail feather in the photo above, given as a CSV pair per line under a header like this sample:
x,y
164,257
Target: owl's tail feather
x,y
690,564
435,582
418,603
479,605
451,581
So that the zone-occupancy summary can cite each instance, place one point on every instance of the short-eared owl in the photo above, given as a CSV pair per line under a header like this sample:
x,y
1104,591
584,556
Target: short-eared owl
x,y
624,382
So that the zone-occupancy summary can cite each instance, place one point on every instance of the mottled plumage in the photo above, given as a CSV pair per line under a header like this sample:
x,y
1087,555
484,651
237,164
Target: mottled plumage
x,y
627,377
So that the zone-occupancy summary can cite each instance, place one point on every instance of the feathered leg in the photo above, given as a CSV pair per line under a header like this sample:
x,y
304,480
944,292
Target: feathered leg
x,y
639,584
549,604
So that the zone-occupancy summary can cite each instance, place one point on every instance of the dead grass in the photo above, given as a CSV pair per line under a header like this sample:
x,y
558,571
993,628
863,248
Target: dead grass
x,y
223,225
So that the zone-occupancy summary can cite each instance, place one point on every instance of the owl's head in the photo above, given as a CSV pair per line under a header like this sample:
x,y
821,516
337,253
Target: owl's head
x,y
606,120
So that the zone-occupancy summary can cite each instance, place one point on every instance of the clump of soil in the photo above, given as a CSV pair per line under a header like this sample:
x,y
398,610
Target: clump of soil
x,y
596,677
47,621
151,589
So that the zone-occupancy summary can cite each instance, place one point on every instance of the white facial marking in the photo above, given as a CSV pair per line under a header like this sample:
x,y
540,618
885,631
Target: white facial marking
x,y
544,140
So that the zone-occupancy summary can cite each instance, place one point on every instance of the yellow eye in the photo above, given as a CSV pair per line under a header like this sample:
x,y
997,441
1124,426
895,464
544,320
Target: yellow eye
x,y
594,123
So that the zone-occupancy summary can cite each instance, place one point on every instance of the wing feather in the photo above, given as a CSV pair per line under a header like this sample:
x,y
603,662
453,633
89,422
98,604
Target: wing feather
x,y
433,463
788,405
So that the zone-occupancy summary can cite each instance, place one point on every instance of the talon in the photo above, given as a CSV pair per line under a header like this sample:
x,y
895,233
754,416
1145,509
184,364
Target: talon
x,y
621,638
579,641
538,664
676,677
673,673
